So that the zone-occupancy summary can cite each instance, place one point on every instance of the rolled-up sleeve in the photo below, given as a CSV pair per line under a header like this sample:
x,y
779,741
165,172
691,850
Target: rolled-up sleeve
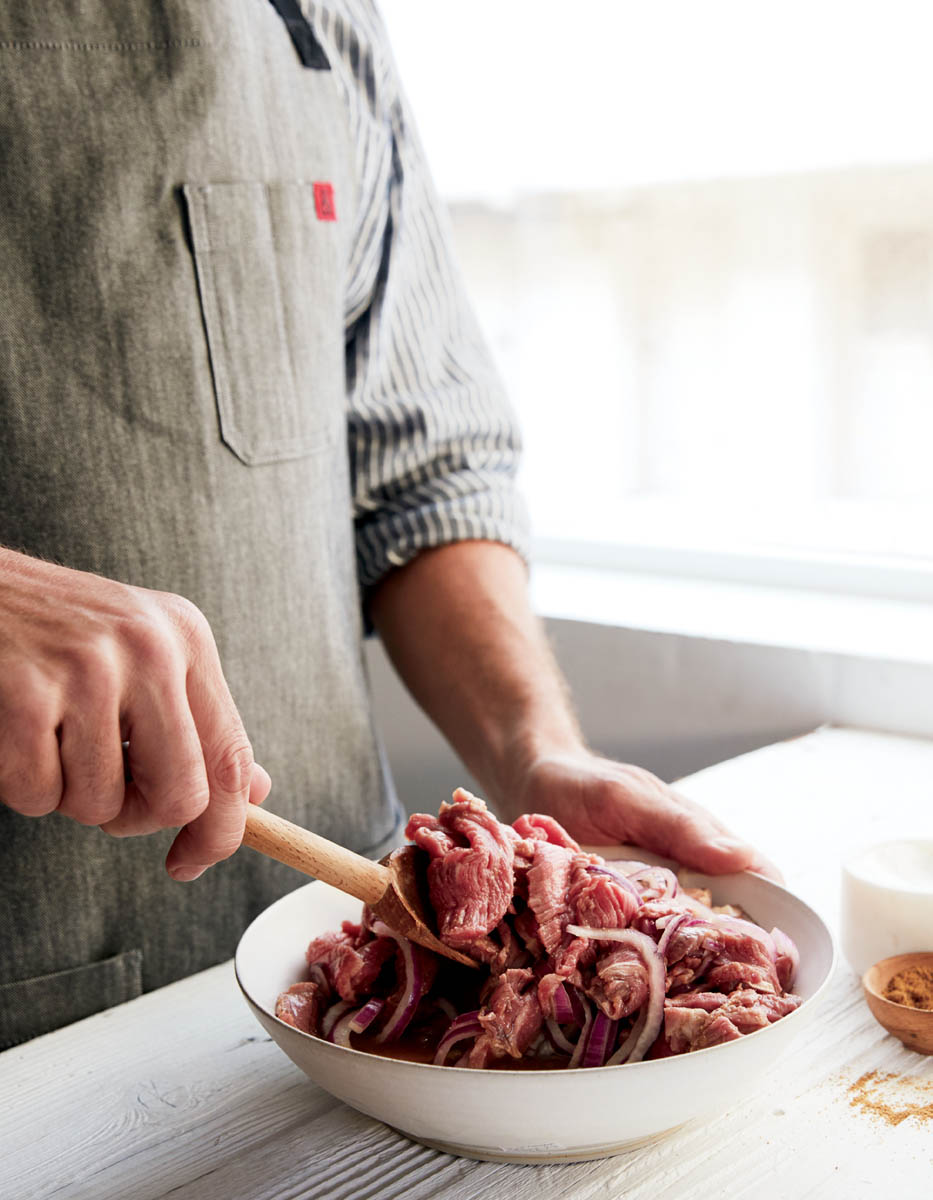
x,y
433,442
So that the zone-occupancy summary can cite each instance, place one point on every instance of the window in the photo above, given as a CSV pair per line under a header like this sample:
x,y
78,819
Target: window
x,y
700,239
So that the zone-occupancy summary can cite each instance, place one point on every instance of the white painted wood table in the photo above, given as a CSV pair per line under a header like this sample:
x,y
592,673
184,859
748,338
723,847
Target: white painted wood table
x,y
180,1092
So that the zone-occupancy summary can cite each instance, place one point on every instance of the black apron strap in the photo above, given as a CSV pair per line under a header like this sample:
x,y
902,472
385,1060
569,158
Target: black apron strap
x,y
310,50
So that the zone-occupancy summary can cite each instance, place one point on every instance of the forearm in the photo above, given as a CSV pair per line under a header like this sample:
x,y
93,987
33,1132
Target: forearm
x,y
458,627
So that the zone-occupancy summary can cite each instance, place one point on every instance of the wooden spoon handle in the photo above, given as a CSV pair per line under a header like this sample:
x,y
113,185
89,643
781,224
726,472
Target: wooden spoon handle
x,y
305,851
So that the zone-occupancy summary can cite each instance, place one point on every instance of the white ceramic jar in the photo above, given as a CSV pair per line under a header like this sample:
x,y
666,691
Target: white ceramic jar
x,y
887,902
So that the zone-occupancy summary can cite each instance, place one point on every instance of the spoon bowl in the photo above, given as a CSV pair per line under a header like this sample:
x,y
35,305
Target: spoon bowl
x,y
395,888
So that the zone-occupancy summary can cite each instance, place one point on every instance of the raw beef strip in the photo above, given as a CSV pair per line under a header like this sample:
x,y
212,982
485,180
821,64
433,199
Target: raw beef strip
x,y
428,833
525,925
302,1006
748,1009
511,1019
541,828
351,971
687,973
738,958
729,975
695,940
499,950
709,1001
598,900
620,983
470,883
696,1020
574,956
548,887
523,848
513,953
694,1029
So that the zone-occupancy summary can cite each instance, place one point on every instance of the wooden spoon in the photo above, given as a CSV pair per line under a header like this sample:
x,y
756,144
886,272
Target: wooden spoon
x,y
395,888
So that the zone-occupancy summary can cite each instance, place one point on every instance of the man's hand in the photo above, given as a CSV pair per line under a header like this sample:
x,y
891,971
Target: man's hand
x,y
600,802
87,663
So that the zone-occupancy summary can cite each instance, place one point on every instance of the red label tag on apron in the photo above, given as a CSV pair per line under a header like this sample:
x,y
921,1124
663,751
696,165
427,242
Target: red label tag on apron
x,y
324,202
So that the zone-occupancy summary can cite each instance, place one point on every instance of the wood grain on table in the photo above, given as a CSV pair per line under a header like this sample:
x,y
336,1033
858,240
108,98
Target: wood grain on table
x,y
180,1092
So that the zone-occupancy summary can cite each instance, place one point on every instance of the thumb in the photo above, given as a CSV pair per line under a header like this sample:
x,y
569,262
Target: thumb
x,y
260,785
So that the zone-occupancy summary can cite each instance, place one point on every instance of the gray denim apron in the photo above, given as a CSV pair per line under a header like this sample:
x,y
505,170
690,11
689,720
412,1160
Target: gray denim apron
x,y
172,414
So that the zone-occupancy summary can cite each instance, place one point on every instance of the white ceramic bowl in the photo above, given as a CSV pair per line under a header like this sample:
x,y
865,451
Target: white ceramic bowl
x,y
530,1116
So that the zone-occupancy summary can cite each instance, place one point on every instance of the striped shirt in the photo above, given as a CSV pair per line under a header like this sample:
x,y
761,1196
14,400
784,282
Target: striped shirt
x,y
432,440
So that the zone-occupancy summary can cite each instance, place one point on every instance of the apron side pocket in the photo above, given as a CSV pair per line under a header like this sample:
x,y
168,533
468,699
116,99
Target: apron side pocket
x,y
30,1007
267,282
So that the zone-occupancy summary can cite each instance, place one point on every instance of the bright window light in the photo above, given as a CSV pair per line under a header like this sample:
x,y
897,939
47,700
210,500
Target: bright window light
x,y
700,239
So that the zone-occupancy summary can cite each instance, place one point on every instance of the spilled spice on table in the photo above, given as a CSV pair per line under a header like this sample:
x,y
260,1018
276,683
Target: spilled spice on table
x,y
892,1098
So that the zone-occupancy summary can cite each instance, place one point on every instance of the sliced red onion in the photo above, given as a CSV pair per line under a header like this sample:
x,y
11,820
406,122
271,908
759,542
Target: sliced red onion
x,y
563,1009
601,1039
669,930
578,1051
578,1005
786,949
340,1034
466,1026
624,1051
712,934
604,935
541,1047
316,975
366,1015
653,1008
332,1016
557,1037
619,879
447,1008
745,929
673,883
413,989
466,1018
660,879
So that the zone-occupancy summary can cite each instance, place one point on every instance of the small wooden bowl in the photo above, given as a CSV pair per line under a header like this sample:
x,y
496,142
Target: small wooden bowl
x,y
913,1026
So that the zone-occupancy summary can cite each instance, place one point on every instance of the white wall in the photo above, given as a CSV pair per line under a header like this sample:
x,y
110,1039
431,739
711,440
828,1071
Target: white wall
x,y
673,703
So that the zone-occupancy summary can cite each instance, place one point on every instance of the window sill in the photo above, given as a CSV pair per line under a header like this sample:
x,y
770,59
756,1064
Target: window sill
x,y
858,626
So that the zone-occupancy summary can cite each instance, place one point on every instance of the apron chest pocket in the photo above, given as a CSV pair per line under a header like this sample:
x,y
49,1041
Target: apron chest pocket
x,y
268,275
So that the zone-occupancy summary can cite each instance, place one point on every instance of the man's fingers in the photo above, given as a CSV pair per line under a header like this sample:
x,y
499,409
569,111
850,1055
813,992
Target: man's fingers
x,y
722,845
190,760
629,804
169,782
685,831
186,849
30,768
228,762
86,660
92,766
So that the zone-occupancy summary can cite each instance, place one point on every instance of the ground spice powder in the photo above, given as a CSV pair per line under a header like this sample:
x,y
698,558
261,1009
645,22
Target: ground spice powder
x,y
892,1098
912,987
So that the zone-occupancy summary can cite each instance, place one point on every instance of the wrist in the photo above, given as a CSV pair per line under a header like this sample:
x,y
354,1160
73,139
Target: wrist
x,y
507,775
